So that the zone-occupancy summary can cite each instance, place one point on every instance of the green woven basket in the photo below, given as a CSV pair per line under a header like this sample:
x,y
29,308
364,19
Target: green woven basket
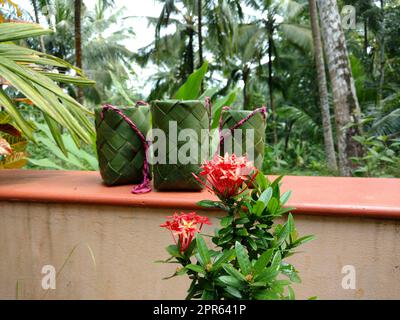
x,y
120,151
188,115
257,122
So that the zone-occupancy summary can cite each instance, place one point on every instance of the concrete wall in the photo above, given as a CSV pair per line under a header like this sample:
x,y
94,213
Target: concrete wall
x,y
126,241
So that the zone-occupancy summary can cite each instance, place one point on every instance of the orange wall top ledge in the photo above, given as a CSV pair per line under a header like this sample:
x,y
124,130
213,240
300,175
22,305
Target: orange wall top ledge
x,y
366,197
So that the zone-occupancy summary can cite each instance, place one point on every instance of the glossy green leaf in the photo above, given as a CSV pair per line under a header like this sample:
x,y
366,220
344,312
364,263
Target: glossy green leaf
x,y
231,281
233,292
202,250
190,90
243,259
285,197
263,261
226,256
195,268
303,240
266,196
14,31
174,251
233,272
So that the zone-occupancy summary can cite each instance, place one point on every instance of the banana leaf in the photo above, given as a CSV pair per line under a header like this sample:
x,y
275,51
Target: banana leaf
x,y
190,114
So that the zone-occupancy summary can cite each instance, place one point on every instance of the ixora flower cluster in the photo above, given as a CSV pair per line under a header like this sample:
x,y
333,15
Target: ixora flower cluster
x,y
246,259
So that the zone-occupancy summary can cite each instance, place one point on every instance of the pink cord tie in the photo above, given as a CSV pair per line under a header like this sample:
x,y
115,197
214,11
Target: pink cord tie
x,y
145,185
262,110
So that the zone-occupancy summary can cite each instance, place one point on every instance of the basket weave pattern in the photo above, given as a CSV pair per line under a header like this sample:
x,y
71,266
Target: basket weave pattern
x,y
187,114
120,151
256,122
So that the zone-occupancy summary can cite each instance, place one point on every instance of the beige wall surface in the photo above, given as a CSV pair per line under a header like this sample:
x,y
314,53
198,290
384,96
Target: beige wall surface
x,y
115,250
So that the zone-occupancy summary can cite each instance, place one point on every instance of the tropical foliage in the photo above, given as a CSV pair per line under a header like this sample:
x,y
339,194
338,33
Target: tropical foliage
x,y
258,52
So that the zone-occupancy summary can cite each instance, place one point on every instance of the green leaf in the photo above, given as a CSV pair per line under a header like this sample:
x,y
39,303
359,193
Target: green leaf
x,y
211,204
266,196
276,261
243,259
267,275
217,108
291,295
285,197
267,294
56,133
15,114
195,268
302,240
258,208
263,261
46,163
209,93
202,250
242,232
282,211
226,221
190,90
14,31
226,256
231,281
289,271
252,243
174,251
233,292
262,181
285,231
207,295
275,186
233,272
273,206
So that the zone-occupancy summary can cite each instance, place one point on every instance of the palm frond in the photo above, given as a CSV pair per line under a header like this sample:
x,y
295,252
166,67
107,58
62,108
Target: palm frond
x,y
388,124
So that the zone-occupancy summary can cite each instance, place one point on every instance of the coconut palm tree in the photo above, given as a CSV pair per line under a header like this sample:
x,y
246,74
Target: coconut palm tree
x,y
346,106
322,86
279,18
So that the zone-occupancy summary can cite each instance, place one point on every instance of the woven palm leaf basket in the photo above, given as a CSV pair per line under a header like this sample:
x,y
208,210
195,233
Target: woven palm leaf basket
x,y
233,120
174,174
120,150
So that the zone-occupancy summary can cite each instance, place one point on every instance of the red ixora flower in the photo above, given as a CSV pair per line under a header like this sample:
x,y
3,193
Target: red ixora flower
x,y
184,226
226,175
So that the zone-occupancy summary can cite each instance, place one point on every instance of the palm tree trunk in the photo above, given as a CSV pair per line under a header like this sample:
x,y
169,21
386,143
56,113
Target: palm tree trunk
x,y
191,51
200,37
245,77
36,11
366,36
322,87
78,42
381,39
270,29
343,89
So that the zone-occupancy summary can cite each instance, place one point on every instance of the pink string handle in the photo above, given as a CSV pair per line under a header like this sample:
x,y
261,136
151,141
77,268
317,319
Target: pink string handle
x,y
145,185
262,110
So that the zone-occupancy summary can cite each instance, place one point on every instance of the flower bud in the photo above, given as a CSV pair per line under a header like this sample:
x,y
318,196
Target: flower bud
x,y
249,277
